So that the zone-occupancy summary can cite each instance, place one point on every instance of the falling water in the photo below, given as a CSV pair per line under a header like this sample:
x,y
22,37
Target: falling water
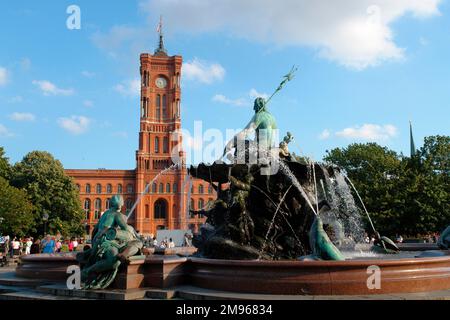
x,y
343,206
148,186
360,199
285,169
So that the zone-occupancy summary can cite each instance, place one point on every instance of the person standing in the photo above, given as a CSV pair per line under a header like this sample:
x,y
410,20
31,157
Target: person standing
x,y
48,245
28,245
171,244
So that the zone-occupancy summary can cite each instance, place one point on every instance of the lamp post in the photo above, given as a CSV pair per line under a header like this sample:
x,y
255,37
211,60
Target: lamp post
x,y
45,219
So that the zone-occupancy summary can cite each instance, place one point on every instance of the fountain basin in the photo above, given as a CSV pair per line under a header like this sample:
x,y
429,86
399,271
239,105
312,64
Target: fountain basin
x,y
321,277
51,267
408,275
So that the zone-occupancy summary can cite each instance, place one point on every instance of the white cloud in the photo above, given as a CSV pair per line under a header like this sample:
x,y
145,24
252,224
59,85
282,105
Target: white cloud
x,y
18,116
202,71
3,76
240,102
130,88
369,132
88,74
75,124
4,132
325,134
354,33
88,103
50,89
255,94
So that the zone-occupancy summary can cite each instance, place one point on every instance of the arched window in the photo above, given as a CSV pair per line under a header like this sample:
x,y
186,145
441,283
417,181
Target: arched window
x,y
107,204
201,204
168,188
161,188
88,188
98,188
192,189
128,205
160,209
154,187
164,106
98,208
158,106
210,189
166,145
119,189
87,208
200,189
192,205
156,145
109,188
175,188
129,188
147,212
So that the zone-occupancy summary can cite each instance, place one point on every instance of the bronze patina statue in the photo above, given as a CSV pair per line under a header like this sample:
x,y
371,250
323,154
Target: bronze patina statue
x,y
113,243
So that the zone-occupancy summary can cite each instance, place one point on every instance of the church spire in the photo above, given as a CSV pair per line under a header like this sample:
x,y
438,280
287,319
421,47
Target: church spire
x,y
160,49
411,140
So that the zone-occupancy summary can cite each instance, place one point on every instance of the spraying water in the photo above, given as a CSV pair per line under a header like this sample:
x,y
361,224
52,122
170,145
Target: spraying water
x,y
148,186
360,199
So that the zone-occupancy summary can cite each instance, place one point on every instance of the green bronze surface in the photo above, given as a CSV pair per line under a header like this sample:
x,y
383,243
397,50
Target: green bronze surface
x,y
113,242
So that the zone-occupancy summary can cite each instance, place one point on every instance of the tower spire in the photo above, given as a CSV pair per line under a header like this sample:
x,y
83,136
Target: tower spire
x,y
160,49
411,140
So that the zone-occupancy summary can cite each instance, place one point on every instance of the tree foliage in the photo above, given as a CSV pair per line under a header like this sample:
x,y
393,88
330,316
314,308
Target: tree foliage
x,y
51,191
5,167
16,212
403,195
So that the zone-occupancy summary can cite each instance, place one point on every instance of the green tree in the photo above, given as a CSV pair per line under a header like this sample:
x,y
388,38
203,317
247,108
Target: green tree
x,y
5,167
51,191
16,212
403,195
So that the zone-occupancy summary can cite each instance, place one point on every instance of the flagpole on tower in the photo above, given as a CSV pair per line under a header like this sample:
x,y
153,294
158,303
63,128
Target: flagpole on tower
x,y
159,30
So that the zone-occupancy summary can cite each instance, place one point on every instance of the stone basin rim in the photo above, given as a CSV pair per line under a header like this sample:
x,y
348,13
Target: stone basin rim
x,y
346,263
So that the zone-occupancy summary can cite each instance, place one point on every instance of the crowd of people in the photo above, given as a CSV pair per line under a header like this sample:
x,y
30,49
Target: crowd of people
x,y
14,246
428,238
152,242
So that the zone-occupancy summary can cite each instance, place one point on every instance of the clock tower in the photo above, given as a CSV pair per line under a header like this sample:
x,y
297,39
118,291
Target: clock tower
x,y
161,205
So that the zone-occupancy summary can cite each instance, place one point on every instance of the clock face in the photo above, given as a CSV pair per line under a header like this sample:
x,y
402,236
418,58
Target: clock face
x,y
161,82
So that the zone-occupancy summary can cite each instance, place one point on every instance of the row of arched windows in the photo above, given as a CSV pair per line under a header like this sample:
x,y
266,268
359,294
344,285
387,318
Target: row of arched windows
x,y
165,145
109,188
163,188
98,207
201,189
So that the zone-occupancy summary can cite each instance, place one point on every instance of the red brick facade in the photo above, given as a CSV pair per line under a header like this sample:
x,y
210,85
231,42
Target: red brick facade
x,y
164,205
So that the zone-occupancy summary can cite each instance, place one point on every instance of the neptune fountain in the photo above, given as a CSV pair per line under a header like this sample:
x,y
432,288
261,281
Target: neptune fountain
x,y
281,224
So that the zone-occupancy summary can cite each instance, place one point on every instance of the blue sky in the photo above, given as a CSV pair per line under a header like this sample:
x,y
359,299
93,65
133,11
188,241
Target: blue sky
x,y
365,69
